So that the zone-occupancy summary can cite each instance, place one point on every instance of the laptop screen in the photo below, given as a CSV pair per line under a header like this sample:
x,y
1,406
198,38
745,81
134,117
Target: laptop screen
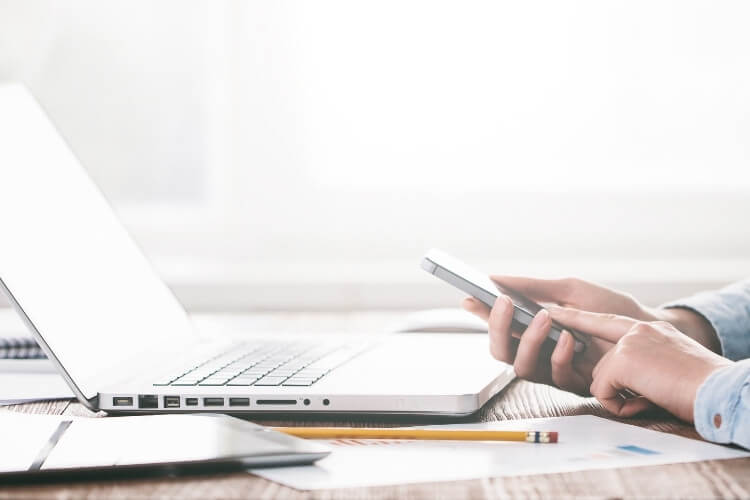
x,y
68,262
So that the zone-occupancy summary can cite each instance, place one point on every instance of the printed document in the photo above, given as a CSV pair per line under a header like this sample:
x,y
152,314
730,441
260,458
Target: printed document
x,y
586,442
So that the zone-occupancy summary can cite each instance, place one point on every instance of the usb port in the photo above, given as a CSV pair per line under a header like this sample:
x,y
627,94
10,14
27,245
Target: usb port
x,y
191,401
148,401
239,401
122,401
213,401
171,401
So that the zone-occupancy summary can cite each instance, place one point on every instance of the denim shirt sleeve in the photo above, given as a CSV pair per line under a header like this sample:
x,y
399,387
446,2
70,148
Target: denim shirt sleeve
x,y
722,405
728,311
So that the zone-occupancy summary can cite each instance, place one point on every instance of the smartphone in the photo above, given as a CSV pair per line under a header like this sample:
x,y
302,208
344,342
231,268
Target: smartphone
x,y
481,287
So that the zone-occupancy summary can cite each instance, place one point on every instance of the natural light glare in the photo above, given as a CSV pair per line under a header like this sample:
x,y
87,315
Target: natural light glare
x,y
275,142
541,95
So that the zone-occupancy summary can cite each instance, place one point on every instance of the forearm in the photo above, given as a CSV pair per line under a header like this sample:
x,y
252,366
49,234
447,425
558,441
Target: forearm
x,y
718,319
691,324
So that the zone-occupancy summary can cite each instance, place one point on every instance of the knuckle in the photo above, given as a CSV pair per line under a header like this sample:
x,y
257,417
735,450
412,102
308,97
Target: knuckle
x,y
662,324
621,348
641,328
558,362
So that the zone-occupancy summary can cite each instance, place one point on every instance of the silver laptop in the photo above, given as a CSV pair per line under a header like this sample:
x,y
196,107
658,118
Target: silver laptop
x,y
124,344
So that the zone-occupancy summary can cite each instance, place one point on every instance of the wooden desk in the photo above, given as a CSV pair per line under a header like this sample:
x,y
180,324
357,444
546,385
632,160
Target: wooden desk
x,y
724,478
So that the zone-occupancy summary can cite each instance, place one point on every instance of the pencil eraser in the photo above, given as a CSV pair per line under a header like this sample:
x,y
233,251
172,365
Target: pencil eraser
x,y
553,437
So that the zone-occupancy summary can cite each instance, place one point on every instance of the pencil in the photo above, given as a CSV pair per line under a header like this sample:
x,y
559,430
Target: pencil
x,y
420,434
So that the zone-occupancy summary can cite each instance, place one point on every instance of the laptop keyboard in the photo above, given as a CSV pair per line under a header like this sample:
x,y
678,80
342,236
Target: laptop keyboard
x,y
266,364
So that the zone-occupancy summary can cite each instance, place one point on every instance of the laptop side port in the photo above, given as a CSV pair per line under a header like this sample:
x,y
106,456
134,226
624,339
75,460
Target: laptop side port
x,y
171,401
277,402
191,401
122,401
239,401
213,401
148,401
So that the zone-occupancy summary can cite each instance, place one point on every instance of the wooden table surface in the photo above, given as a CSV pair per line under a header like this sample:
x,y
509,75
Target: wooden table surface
x,y
721,478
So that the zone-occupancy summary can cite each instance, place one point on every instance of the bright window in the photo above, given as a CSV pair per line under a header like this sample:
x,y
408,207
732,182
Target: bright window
x,y
266,145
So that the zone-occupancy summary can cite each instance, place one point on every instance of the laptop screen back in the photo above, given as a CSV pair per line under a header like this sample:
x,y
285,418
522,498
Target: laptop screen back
x,y
68,262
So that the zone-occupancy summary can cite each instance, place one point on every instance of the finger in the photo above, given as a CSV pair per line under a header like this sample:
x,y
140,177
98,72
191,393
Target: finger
x,y
531,342
625,407
605,326
500,320
558,290
476,307
608,389
562,372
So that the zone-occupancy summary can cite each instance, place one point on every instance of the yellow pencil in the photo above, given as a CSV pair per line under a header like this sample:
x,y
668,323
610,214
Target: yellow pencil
x,y
422,434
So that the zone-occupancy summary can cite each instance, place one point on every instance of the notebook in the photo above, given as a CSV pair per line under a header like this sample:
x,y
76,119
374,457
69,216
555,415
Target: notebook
x,y
19,347
15,340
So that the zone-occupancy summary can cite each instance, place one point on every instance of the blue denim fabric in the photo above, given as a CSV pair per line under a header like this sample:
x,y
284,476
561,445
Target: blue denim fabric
x,y
727,391
728,311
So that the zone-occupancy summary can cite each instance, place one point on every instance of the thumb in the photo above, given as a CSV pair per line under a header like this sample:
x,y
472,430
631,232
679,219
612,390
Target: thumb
x,y
540,290
609,327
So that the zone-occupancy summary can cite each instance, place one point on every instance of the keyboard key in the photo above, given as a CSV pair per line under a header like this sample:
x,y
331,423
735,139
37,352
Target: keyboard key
x,y
263,364
236,382
299,383
268,381
215,381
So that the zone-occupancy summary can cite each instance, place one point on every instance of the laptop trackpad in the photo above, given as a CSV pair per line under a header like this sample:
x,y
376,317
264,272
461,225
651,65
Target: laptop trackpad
x,y
419,364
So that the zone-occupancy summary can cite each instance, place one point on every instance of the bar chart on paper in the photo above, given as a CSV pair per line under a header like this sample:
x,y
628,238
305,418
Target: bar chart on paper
x,y
586,442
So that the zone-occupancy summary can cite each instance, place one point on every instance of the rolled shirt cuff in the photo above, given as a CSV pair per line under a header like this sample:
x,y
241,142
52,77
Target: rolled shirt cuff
x,y
719,409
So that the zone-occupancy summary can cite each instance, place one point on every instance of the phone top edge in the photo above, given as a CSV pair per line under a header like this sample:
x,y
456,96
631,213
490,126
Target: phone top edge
x,y
431,263
428,265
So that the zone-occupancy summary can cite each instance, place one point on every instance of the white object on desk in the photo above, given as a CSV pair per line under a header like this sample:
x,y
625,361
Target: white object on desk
x,y
26,366
441,320
28,380
586,442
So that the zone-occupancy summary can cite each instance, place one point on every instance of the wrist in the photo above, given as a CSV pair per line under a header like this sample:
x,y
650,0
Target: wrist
x,y
700,374
692,324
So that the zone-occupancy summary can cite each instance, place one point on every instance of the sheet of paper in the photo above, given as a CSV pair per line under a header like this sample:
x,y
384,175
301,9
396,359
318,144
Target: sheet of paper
x,y
23,387
23,447
586,442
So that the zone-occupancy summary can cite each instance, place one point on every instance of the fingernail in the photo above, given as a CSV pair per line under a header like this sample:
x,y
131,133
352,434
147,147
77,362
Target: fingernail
x,y
543,315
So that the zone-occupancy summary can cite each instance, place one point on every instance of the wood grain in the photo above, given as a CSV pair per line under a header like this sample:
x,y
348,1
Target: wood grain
x,y
708,479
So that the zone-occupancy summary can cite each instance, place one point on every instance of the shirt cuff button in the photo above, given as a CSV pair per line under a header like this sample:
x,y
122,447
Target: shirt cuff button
x,y
717,420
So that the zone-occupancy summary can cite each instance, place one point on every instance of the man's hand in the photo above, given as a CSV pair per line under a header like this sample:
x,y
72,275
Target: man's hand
x,y
531,357
535,360
652,359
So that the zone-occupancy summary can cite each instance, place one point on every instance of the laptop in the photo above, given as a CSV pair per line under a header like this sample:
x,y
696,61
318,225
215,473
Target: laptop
x,y
123,342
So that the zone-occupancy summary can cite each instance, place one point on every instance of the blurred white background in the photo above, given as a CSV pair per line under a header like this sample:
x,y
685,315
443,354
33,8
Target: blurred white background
x,y
299,155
